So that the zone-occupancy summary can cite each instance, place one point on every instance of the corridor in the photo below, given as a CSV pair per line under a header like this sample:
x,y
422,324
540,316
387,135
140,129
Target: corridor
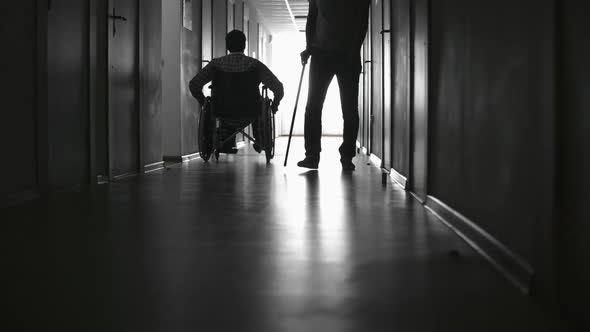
x,y
240,245
468,209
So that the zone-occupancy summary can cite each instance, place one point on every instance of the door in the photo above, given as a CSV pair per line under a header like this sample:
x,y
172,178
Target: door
x,y
386,74
419,119
377,79
123,88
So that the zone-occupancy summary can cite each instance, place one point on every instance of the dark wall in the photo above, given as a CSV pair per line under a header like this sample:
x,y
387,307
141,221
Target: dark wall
x,y
18,133
98,88
400,34
491,121
190,64
151,80
574,160
67,47
377,78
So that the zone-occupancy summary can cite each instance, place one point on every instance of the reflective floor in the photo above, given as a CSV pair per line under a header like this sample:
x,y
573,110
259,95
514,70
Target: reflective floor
x,y
239,245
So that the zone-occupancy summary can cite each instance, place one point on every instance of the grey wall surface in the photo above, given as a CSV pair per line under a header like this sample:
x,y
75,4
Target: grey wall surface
x,y
171,36
151,80
99,153
491,137
190,64
219,8
573,119
400,35
377,79
68,40
18,94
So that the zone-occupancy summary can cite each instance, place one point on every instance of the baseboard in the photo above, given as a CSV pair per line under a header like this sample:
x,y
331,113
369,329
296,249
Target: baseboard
x,y
172,159
376,160
153,167
19,198
124,176
401,180
189,157
513,267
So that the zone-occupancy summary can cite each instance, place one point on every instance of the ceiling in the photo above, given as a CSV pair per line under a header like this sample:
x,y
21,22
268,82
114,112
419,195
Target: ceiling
x,y
283,16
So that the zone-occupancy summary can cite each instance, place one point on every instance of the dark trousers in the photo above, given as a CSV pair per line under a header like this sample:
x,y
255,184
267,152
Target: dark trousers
x,y
323,68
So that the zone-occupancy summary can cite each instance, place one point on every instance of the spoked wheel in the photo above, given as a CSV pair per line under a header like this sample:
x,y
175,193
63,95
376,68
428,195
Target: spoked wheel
x,y
272,138
206,131
268,132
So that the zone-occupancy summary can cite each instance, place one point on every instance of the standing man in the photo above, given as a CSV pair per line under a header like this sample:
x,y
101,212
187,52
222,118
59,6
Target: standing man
x,y
335,32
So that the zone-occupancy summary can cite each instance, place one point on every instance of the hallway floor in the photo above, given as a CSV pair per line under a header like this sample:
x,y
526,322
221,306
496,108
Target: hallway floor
x,y
240,246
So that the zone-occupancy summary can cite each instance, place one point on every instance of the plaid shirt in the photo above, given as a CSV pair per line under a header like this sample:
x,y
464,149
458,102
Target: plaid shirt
x,y
235,63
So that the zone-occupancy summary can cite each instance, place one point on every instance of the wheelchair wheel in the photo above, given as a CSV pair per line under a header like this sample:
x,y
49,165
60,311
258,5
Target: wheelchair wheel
x,y
206,131
268,132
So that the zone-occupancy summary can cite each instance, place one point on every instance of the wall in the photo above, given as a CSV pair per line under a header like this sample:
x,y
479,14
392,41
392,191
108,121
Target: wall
x,y
99,154
68,40
151,80
190,48
400,36
171,37
491,138
574,161
377,79
18,135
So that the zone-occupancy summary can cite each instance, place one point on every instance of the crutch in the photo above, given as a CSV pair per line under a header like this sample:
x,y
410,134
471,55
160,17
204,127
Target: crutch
x,y
294,113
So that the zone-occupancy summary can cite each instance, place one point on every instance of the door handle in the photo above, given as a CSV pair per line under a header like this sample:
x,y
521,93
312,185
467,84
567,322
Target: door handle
x,y
385,31
115,17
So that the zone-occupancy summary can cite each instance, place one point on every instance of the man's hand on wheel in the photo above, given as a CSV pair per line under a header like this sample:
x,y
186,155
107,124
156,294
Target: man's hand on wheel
x,y
201,99
305,56
274,107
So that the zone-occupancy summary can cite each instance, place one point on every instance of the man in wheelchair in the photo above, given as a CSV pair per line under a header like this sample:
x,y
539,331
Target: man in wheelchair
x,y
235,93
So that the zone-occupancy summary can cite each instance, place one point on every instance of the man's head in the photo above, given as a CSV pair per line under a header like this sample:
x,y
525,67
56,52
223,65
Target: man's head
x,y
235,41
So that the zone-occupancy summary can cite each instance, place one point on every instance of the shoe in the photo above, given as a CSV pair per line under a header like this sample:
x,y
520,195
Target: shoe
x,y
347,165
257,147
309,162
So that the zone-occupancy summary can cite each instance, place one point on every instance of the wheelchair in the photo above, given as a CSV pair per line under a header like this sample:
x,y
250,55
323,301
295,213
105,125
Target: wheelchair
x,y
236,101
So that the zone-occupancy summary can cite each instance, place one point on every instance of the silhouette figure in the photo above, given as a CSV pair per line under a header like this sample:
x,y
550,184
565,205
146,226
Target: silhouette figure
x,y
236,62
335,32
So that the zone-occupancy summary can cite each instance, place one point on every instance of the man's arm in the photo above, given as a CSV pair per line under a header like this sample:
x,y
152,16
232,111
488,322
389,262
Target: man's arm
x,y
272,82
310,34
364,27
310,25
198,82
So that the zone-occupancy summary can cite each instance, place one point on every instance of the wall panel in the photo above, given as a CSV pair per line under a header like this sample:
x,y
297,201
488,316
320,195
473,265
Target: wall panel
x,y
574,161
491,122
68,40
18,133
190,66
401,85
151,81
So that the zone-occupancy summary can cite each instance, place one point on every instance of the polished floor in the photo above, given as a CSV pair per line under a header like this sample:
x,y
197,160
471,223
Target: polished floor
x,y
239,245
